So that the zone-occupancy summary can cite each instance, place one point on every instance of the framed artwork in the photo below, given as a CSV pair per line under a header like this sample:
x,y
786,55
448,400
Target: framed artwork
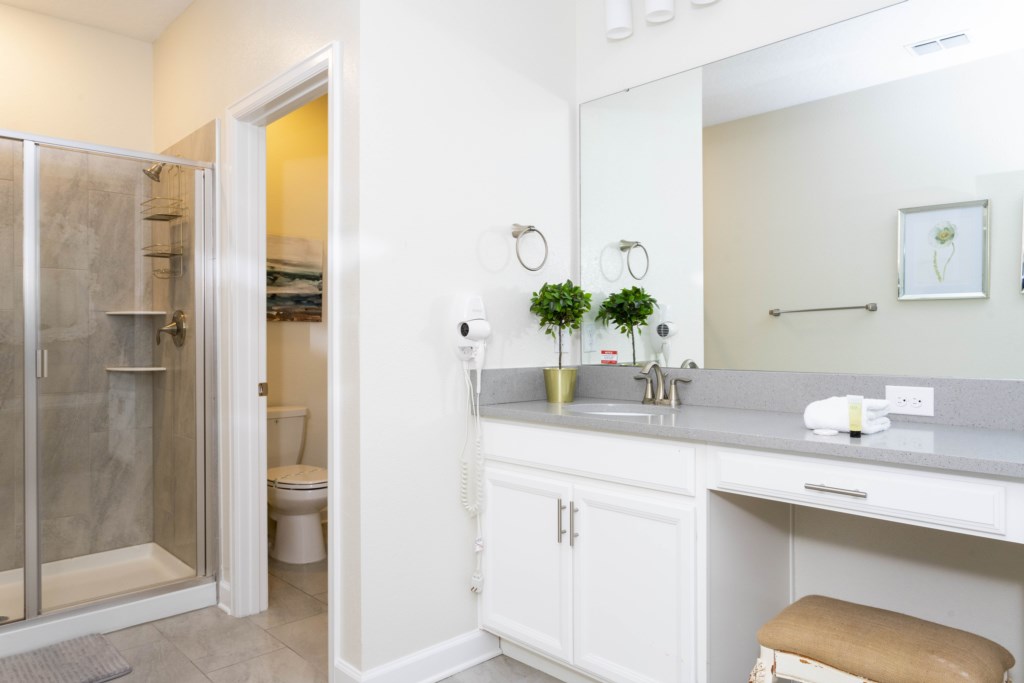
x,y
944,251
295,279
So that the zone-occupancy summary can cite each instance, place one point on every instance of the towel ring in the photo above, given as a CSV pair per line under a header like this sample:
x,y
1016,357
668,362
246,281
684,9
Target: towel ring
x,y
518,231
628,246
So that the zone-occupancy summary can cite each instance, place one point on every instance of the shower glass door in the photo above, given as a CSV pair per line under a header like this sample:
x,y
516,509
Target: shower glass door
x,y
103,447
12,402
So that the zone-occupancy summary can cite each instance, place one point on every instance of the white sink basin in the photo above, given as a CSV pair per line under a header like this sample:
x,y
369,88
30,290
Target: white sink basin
x,y
618,409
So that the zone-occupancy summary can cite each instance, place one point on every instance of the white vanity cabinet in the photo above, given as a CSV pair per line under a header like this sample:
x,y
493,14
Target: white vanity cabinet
x,y
617,599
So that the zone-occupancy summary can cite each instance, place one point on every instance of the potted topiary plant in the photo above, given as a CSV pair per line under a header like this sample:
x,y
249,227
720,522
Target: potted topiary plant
x,y
560,307
628,310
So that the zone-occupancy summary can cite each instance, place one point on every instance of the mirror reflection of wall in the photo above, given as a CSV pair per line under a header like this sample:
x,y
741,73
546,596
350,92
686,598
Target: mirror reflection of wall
x,y
811,147
641,170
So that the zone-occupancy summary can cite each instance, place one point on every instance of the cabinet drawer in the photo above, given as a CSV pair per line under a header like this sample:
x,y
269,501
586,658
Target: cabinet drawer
x,y
653,463
887,492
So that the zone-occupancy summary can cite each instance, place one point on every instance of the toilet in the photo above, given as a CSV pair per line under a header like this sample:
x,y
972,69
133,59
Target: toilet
x,y
296,493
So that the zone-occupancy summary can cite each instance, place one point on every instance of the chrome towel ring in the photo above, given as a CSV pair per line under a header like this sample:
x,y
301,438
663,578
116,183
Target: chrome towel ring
x,y
628,246
518,231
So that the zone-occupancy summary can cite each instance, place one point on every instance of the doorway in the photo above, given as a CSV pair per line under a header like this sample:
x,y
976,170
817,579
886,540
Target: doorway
x,y
243,588
296,355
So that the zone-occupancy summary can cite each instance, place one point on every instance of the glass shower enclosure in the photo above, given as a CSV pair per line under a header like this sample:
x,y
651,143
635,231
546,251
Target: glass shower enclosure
x,y
103,432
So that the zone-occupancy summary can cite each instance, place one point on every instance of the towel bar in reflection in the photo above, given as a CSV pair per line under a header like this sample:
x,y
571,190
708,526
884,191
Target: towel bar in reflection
x,y
775,312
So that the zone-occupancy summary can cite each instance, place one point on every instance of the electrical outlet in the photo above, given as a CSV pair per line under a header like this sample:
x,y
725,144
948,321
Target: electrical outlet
x,y
466,350
911,400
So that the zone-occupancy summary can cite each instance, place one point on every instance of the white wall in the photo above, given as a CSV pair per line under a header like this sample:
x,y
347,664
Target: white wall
x,y
467,127
640,179
698,35
463,129
800,212
297,207
250,44
73,81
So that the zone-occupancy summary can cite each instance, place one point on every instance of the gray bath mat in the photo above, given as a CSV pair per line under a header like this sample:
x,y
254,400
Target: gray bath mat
x,y
89,659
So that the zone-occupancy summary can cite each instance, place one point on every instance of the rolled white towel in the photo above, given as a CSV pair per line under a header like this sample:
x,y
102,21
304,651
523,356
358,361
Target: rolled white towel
x,y
834,413
874,426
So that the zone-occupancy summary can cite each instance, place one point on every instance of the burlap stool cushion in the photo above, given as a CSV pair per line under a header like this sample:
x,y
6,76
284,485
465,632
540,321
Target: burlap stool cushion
x,y
883,646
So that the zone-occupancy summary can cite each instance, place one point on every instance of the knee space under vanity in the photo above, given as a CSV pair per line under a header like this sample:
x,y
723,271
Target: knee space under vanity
x,y
763,554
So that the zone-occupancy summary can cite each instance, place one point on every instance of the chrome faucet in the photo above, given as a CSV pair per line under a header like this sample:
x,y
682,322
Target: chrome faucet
x,y
657,396
649,396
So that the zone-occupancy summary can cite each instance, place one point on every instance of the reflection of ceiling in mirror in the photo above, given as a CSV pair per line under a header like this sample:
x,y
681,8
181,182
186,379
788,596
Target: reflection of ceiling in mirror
x,y
858,53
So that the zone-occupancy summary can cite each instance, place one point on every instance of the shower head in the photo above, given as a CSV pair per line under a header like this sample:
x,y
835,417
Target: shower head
x,y
153,172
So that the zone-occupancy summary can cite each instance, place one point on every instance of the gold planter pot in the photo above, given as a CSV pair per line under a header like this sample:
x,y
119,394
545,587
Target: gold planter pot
x,y
560,384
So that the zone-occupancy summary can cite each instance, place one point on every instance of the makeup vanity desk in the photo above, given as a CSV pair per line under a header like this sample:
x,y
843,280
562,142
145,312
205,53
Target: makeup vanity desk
x,y
651,548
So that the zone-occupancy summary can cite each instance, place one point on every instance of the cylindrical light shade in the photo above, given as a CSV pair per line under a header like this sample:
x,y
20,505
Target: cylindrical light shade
x,y
702,2
618,19
659,11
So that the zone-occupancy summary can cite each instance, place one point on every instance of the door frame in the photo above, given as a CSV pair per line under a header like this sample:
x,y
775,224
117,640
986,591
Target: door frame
x,y
241,250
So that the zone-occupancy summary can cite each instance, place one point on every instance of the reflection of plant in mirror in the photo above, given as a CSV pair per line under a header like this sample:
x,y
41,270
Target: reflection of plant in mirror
x,y
628,310
560,306
941,237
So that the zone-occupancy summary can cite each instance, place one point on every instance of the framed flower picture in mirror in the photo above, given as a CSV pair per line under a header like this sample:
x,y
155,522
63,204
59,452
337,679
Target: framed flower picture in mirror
x,y
944,251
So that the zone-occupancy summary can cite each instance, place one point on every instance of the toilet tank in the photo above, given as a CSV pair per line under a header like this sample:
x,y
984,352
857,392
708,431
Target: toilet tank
x,y
286,435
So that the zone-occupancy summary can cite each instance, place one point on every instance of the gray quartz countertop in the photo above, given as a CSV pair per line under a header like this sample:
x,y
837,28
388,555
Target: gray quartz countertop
x,y
960,449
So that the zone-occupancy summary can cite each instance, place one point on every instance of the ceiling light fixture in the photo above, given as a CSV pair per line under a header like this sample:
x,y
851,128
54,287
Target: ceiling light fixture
x,y
702,2
618,19
660,11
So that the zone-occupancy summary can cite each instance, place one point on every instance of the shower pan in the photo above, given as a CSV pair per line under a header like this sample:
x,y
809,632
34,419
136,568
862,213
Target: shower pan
x,y
103,432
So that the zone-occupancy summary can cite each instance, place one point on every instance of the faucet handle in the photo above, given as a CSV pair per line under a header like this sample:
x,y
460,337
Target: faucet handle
x,y
649,389
673,395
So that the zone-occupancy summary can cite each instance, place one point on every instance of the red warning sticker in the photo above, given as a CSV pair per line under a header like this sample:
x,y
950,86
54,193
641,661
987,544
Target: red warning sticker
x,y
609,357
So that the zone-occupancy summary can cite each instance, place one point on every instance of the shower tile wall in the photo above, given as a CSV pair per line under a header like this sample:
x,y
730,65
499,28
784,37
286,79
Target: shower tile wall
x,y
95,427
11,355
174,396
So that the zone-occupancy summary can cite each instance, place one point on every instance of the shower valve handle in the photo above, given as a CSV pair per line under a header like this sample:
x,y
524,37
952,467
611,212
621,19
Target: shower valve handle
x,y
176,328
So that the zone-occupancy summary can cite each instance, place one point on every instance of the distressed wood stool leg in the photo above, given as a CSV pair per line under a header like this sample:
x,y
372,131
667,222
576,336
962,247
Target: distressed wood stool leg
x,y
763,671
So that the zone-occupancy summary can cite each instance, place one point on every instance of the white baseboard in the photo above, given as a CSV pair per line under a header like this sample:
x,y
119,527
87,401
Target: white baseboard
x,y
428,665
224,595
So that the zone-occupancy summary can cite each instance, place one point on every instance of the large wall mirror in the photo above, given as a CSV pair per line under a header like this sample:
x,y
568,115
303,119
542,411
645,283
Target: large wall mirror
x,y
773,180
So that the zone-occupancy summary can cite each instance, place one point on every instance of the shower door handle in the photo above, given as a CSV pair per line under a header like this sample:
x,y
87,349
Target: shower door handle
x,y
42,364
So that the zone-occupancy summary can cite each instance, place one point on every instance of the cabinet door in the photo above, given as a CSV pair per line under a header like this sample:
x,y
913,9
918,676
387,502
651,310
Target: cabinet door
x,y
633,573
527,593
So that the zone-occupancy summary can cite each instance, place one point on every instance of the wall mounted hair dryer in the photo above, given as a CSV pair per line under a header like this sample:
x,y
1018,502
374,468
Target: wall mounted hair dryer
x,y
473,332
665,329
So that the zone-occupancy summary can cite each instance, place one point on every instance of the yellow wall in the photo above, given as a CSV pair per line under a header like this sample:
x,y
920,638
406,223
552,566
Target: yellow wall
x,y
72,81
297,207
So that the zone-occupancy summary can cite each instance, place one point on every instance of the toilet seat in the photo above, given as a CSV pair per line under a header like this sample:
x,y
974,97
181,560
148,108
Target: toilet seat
x,y
297,477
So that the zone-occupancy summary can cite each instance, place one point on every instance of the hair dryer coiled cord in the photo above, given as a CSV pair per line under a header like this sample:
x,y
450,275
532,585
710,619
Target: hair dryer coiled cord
x,y
471,477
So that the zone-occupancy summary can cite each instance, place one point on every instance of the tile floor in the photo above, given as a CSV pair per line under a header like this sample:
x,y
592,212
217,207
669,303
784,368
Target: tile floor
x,y
285,644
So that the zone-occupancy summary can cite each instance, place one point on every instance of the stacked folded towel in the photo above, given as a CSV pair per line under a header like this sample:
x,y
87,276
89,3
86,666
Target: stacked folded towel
x,y
834,413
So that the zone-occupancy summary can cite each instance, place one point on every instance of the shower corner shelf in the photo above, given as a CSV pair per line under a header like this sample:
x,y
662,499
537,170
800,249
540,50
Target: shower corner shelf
x,y
162,209
136,369
162,250
136,312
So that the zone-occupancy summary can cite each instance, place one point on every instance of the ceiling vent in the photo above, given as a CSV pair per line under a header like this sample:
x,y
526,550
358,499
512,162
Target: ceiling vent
x,y
934,45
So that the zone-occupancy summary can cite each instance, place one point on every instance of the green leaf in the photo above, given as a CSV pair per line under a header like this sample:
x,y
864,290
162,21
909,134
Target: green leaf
x,y
558,307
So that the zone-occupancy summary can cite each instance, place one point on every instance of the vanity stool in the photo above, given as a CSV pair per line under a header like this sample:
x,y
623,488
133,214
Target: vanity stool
x,y
822,640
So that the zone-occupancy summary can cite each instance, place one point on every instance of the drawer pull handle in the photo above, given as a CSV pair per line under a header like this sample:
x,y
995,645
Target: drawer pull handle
x,y
558,524
853,493
573,534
